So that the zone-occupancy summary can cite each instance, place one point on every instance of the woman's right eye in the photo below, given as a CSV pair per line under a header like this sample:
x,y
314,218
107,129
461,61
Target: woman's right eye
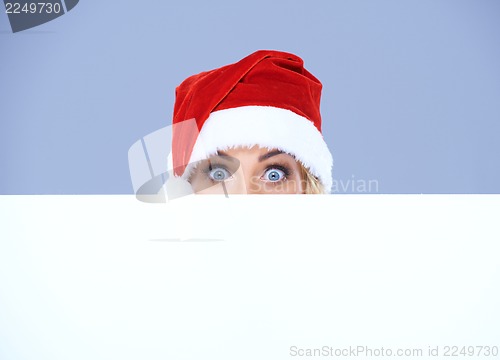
x,y
219,174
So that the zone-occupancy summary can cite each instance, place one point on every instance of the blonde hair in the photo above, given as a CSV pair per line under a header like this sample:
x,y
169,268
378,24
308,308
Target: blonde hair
x,y
311,182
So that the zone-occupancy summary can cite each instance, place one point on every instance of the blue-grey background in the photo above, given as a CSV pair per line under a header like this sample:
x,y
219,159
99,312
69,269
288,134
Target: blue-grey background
x,y
411,88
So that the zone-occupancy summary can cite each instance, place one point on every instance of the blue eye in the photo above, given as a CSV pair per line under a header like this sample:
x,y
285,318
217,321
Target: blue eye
x,y
274,175
219,174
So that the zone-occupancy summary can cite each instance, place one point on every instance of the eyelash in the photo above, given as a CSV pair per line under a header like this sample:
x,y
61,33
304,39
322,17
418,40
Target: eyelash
x,y
212,166
283,168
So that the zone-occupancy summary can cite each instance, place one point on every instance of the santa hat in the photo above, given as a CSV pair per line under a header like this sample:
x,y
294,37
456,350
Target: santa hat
x,y
267,99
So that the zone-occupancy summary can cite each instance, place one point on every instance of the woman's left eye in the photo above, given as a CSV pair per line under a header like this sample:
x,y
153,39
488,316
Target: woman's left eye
x,y
274,175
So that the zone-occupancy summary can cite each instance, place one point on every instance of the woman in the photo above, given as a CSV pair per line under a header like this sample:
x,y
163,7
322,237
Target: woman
x,y
253,127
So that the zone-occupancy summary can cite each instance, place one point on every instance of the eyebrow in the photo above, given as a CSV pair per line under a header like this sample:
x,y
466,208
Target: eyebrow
x,y
261,158
224,155
269,155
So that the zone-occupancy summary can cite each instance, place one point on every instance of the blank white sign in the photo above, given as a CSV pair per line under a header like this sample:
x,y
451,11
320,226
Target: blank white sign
x,y
249,277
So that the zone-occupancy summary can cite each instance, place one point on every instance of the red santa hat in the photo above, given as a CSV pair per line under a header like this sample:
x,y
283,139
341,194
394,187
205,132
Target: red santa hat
x,y
267,99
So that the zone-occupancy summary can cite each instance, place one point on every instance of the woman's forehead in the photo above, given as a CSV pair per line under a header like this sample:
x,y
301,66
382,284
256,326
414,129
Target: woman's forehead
x,y
260,153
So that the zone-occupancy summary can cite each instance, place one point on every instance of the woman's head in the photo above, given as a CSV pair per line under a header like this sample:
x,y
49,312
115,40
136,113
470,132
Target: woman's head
x,y
266,104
